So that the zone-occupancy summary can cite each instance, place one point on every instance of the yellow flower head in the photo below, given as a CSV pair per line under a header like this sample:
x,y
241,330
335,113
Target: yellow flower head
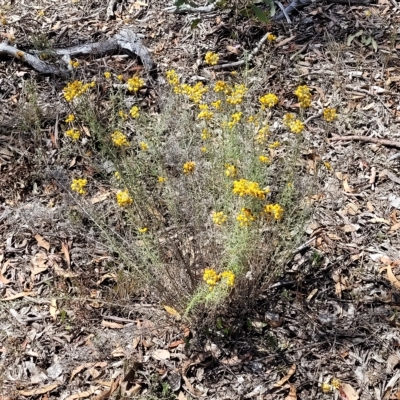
x,y
274,145
205,114
329,114
143,230
188,167
119,139
120,77
271,37
274,210
117,175
135,83
75,89
269,100
220,86
134,112
304,96
74,134
70,118
229,277
107,75
205,134
219,217
143,146
40,13
210,276
123,198
172,77
288,119
237,94
264,159
328,165
162,179
203,149
243,187
297,126
230,170
78,185
245,217
211,58
122,114
74,64
262,135
216,104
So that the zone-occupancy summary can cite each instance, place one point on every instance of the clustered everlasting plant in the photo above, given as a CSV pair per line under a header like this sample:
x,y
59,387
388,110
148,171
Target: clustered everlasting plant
x,y
205,184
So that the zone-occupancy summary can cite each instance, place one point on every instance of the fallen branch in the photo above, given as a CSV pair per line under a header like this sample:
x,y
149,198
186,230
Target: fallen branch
x,y
188,8
110,9
383,142
125,40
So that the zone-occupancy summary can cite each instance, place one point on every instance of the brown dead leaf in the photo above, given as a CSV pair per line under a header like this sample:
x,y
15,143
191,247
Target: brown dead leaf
x,y
181,396
42,242
99,198
173,312
348,392
118,352
378,220
107,393
41,390
39,261
79,368
281,382
107,276
82,395
232,49
161,354
65,250
390,276
292,393
284,41
393,228
176,343
19,295
111,325
64,273
193,391
53,308
347,187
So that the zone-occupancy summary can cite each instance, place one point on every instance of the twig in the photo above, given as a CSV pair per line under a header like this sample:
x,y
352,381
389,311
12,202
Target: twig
x,y
284,11
312,117
394,157
110,9
372,178
383,142
187,8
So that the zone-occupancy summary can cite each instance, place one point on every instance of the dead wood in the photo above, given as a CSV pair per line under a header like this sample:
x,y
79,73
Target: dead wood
x,y
383,142
125,40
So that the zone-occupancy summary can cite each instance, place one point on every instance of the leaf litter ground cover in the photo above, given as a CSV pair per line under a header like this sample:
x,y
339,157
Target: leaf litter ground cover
x,y
327,326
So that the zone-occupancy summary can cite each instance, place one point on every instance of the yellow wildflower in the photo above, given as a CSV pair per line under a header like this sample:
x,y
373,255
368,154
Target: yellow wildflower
x,y
230,170
203,149
74,134
216,104
288,119
328,165
143,230
78,185
335,382
210,276
161,179
297,126
262,135
264,159
134,112
205,134
304,96
219,217
70,118
143,146
271,37
329,114
172,77
122,114
123,198
243,187
274,145
368,13
135,83
120,77
188,167
40,13
269,100
76,89
220,86
74,64
117,175
229,276
326,387
107,75
119,139
211,58
205,114
237,94
245,217
253,120
274,210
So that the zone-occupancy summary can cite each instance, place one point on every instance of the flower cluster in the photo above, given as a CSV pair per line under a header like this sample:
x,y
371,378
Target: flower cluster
x,y
264,159
188,167
295,125
219,217
74,64
135,83
123,198
161,179
245,217
74,134
262,134
220,86
119,139
78,185
274,145
211,58
304,96
216,104
123,114
211,277
76,89
329,114
236,94
271,37
134,112
194,93
107,75
243,187
205,134
269,100
172,77
230,170
70,118
274,210
144,146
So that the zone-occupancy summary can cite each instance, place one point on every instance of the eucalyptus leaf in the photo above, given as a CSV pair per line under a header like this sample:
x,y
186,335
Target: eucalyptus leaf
x,y
259,14
374,44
